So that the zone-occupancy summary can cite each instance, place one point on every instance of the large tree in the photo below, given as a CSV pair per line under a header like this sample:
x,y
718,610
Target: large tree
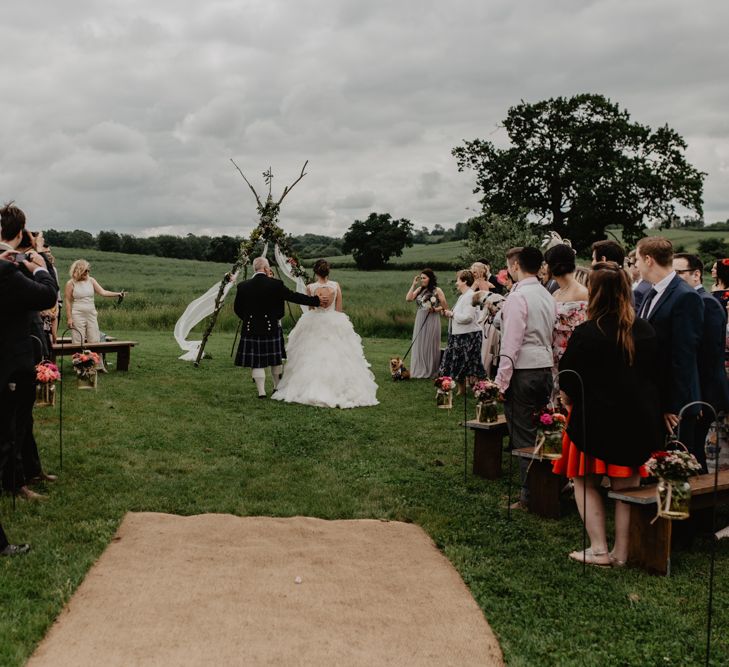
x,y
580,164
373,241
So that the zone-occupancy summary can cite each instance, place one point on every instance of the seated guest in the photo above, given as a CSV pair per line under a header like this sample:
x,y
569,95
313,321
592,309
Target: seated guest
x,y
676,312
616,356
608,251
462,356
711,354
525,363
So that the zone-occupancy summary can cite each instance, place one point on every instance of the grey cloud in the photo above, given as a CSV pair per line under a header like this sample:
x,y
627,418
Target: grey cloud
x,y
356,200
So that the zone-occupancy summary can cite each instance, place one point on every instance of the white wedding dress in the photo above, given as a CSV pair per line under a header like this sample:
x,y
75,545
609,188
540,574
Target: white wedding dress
x,y
326,364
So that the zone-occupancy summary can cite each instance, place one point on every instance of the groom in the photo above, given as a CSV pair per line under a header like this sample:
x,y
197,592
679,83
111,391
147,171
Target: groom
x,y
259,303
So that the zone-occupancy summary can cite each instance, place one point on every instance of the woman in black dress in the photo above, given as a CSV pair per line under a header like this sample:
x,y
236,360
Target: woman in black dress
x,y
616,355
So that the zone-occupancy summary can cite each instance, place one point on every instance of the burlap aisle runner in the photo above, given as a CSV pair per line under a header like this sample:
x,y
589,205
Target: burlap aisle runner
x,y
222,590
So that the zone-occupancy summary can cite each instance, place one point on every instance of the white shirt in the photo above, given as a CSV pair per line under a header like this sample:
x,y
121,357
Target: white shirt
x,y
660,288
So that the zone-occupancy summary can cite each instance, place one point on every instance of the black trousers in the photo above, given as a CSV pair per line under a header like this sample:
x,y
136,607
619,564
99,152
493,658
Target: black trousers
x,y
3,538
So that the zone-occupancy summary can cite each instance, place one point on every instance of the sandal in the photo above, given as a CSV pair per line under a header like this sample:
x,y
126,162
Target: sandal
x,y
591,558
615,562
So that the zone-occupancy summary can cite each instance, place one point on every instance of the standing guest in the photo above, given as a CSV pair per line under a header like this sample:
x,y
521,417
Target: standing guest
x,y
480,281
677,314
616,356
712,350
259,302
20,296
639,286
462,357
608,251
496,286
720,288
431,301
571,298
81,313
525,364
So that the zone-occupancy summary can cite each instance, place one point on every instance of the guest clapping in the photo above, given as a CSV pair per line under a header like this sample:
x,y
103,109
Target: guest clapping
x,y
431,303
80,308
615,355
462,357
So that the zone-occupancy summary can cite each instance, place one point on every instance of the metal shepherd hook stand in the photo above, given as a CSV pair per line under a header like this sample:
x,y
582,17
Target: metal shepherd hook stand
x,y
709,604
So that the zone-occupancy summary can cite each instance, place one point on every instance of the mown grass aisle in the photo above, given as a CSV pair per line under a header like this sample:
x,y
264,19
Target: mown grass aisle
x,y
167,437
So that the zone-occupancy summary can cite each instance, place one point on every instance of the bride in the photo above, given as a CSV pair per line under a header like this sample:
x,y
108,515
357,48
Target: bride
x,y
326,364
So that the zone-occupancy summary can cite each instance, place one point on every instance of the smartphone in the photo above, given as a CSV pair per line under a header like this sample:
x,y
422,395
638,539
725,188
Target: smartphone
x,y
21,257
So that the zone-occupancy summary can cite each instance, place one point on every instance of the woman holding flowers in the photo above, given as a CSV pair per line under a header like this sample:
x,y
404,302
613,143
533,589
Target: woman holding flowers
x,y
426,333
616,423
462,357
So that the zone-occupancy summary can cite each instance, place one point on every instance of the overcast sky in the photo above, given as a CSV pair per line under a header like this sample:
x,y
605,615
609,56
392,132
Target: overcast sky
x,y
123,114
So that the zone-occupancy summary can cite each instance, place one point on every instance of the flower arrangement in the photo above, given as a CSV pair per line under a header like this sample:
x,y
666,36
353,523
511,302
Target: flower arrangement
x,y
85,363
46,375
551,423
673,491
444,391
486,393
47,372
444,383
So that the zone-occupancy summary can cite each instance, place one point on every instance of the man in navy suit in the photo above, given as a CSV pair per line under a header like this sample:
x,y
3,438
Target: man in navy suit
x,y
676,312
714,384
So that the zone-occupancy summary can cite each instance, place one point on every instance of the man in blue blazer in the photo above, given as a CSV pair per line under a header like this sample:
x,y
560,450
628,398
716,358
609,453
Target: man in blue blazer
x,y
712,376
676,312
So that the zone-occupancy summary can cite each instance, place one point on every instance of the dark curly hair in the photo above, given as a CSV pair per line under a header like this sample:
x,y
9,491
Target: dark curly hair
x,y
321,268
560,260
432,280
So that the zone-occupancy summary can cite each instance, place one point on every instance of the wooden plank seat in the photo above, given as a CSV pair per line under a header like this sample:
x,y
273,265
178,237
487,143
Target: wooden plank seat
x,y
67,340
545,488
488,442
650,541
122,348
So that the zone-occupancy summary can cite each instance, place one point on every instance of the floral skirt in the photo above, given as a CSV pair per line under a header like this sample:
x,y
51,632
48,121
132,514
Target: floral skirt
x,y
462,357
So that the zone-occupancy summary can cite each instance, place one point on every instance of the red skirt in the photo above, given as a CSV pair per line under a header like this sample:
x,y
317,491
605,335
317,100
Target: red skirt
x,y
572,464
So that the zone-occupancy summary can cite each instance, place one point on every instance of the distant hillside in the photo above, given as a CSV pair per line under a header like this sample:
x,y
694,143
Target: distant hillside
x,y
419,256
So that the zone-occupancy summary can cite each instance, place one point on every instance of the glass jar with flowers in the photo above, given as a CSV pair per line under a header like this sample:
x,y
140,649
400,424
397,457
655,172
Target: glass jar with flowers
x,y
444,392
85,363
486,393
551,423
673,491
46,375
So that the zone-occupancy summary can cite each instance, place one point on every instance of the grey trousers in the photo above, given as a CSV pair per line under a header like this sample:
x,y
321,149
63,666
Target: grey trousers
x,y
528,392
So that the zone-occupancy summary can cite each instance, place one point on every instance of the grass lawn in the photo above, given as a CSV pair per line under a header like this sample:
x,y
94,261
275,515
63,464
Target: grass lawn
x,y
171,438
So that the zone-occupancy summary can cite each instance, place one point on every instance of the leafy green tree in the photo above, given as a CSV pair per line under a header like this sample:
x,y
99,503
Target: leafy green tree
x,y
223,249
491,235
108,241
712,249
373,241
80,239
580,164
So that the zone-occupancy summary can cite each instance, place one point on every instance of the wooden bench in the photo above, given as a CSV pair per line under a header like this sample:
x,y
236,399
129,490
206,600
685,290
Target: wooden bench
x,y
67,340
488,445
122,348
650,543
545,488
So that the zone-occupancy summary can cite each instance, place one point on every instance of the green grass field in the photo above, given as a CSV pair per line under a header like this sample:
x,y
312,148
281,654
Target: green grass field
x,y
171,438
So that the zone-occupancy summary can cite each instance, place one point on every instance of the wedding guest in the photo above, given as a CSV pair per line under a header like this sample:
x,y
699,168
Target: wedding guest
x,y
720,288
81,313
616,356
430,300
712,349
462,356
676,312
26,287
496,287
480,282
639,286
7,549
525,364
571,298
608,251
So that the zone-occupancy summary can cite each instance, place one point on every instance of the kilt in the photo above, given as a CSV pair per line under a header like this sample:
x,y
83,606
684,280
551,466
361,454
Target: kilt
x,y
261,351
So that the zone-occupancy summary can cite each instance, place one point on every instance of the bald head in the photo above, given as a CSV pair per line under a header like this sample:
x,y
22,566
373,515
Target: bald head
x,y
260,264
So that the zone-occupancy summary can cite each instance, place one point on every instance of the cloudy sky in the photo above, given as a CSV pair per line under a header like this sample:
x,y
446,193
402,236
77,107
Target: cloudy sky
x,y
123,114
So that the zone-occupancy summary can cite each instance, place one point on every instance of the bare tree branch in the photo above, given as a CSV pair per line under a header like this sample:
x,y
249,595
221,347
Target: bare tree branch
x,y
289,188
255,194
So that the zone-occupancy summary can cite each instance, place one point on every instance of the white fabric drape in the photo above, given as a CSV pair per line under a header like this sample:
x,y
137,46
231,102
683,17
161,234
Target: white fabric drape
x,y
204,306
195,313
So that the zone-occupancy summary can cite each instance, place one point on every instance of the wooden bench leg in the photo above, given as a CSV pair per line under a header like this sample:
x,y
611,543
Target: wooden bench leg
x,y
487,453
649,543
544,490
122,359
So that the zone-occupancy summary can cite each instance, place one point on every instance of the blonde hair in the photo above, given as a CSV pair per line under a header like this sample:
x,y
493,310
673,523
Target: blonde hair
x,y
78,268
478,269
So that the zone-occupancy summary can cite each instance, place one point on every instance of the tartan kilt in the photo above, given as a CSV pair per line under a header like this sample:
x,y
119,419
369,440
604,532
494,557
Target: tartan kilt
x,y
261,351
